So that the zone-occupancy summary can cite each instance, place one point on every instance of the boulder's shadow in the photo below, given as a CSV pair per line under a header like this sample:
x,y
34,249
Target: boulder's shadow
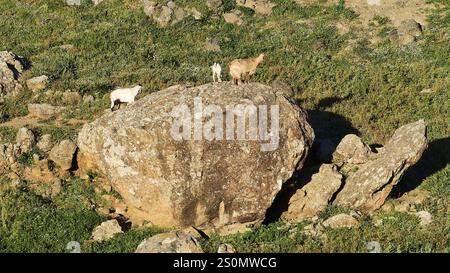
x,y
435,158
325,125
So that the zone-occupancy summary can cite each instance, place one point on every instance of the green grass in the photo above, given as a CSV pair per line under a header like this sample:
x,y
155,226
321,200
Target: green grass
x,y
346,84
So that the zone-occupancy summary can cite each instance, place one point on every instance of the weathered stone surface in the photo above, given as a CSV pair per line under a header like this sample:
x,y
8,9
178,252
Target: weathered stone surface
x,y
263,7
11,69
63,154
226,248
44,111
314,197
8,156
341,221
352,150
234,17
25,139
171,242
106,230
37,83
425,217
192,182
368,188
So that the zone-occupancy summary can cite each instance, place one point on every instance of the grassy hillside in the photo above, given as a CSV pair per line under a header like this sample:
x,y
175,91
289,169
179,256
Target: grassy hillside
x,y
346,83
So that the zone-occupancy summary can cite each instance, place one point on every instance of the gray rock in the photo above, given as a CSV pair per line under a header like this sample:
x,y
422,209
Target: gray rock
x,y
226,248
234,17
88,99
314,197
212,45
171,242
44,111
352,150
341,221
177,182
37,83
45,143
63,154
25,139
368,188
11,70
106,230
73,2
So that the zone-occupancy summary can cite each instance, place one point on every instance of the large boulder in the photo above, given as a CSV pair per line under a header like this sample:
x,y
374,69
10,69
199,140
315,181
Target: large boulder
x,y
11,69
368,188
174,181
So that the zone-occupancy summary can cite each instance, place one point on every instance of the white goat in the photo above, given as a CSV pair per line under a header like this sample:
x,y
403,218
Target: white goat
x,y
124,95
217,72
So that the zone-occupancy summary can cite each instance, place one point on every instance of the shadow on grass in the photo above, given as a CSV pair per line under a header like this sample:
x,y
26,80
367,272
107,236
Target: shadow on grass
x,y
435,158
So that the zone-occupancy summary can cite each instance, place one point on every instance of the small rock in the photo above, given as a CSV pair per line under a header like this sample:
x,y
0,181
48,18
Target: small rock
x,y
106,230
425,217
426,91
212,45
171,242
352,150
234,17
226,248
44,111
73,2
45,143
341,221
195,13
63,154
263,7
96,2
25,139
214,4
37,83
88,98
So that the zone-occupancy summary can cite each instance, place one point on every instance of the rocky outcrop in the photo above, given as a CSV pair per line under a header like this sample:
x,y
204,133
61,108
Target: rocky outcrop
x,y
171,181
352,150
368,188
314,197
11,69
263,7
170,13
171,242
37,83
341,221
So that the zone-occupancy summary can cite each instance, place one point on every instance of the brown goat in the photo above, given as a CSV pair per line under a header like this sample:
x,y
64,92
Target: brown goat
x,y
242,69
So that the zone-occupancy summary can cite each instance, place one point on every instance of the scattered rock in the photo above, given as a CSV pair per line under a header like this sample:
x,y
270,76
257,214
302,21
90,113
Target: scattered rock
x,y
63,154
44,111
37,83
212,45
171,242
73,2
194,13
314,197
88,98
106,230
226,248
45,143
11,69
352,150
214,4
341,221
72,97
234,17
368,188
426,91
192,182
8,156
25,139
263,7
323,150
407,32
425,217
96,2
